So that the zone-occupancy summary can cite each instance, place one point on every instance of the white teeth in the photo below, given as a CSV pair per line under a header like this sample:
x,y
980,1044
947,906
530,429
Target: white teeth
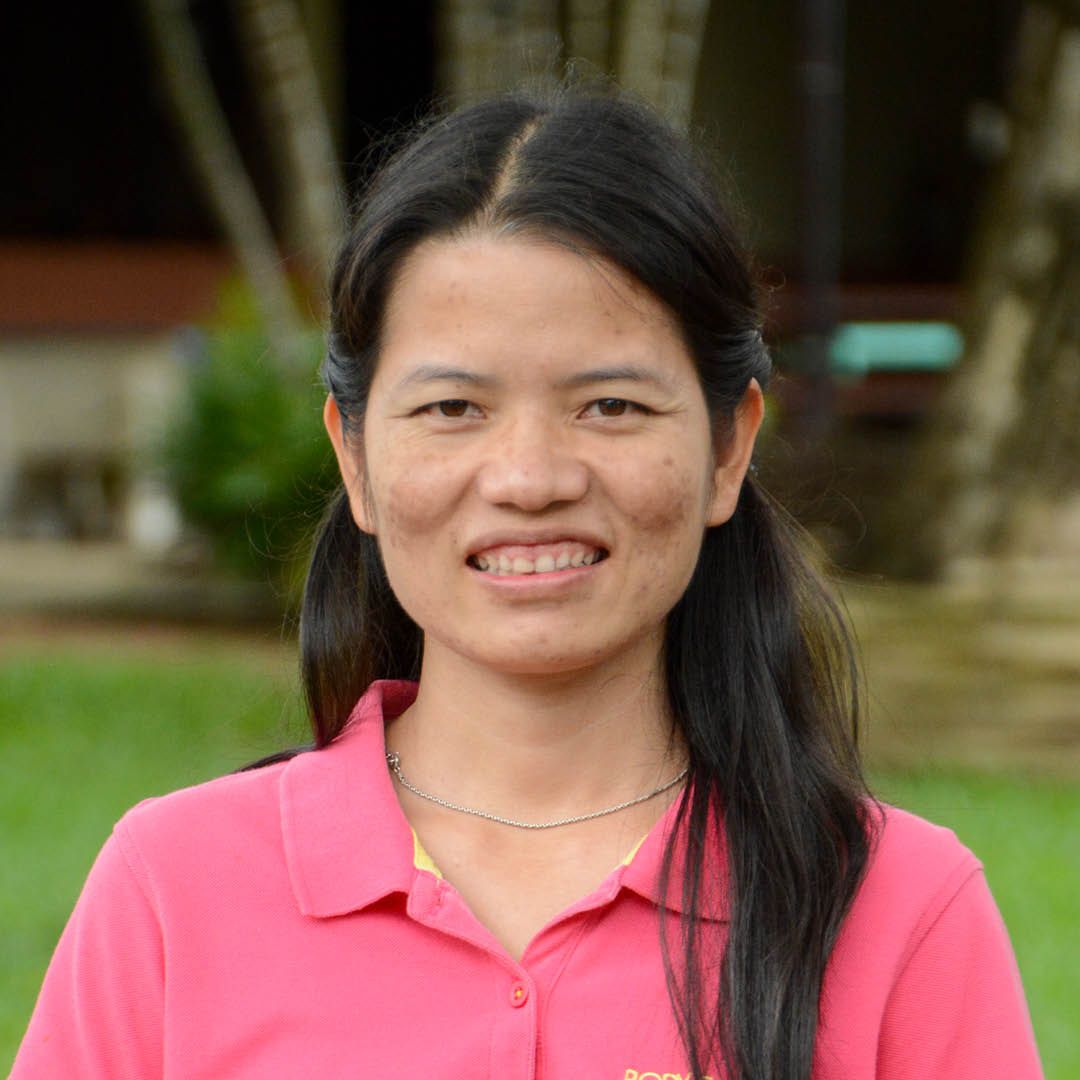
x,y
544,564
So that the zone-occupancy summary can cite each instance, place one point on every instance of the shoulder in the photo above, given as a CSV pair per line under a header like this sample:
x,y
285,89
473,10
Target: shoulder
x,y
194,827
903,844
914,857
915,871
922,982
250,804
294,829
217,800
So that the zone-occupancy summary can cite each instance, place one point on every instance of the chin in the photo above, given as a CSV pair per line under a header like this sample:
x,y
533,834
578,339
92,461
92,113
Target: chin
x,y
538,664
538,659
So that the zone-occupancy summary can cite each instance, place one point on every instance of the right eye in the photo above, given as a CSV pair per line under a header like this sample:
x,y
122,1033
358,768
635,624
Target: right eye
x,y
449,409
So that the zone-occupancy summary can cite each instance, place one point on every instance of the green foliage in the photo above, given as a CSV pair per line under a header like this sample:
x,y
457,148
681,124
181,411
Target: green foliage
x,y
248,458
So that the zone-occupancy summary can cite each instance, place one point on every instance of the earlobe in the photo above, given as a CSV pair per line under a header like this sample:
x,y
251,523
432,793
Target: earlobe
x,y
732,465
349,465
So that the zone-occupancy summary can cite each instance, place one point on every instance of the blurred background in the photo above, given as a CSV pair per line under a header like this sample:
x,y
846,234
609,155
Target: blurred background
x,y
175,178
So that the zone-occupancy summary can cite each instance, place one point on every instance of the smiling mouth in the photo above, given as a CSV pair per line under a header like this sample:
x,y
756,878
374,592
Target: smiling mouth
x,y
544,559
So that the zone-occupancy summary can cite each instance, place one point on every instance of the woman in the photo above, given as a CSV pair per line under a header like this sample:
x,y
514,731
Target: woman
x,y
598,811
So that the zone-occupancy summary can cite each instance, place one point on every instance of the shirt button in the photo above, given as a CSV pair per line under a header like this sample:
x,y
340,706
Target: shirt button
x,y
519,994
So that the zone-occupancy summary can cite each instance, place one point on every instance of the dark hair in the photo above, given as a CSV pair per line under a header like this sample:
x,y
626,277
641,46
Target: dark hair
x,y
760,670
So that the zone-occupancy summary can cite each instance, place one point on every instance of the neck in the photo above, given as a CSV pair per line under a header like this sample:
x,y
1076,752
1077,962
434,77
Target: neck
x,y
537,747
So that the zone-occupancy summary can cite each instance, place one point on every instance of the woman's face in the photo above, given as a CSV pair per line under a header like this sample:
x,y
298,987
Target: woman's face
x,y
536,458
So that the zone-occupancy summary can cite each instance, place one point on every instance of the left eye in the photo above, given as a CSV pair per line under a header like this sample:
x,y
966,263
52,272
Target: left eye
x,y
612,406
450,409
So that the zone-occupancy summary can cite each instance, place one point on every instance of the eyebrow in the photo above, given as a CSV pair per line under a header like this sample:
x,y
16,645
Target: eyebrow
x,y
621,373
429,373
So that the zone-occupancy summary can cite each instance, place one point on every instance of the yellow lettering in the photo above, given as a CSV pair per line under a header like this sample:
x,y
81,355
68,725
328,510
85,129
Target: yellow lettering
x,y
633,1074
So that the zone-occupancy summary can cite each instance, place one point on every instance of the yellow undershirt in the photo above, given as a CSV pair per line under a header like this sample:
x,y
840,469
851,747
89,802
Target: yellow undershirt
x,y
423,861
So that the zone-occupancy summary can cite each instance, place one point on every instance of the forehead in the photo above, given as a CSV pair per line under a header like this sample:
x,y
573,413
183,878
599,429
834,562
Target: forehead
x,y
513,299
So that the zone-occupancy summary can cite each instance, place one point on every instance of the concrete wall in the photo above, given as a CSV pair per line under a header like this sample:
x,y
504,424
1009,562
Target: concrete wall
x,y
80,419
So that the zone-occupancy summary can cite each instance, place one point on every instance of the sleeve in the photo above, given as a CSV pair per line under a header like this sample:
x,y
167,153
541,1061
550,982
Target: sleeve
x,y
99,1013
957,1009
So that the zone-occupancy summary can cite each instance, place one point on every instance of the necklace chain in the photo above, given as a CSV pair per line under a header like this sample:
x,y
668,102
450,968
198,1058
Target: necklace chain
x,y
393,760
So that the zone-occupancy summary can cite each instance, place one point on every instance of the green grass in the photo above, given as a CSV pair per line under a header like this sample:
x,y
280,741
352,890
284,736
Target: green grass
x,y
82,737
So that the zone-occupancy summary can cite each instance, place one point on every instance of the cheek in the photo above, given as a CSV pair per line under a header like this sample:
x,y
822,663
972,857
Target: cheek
x,y
412,498
666,498
413,501
665,505
404,511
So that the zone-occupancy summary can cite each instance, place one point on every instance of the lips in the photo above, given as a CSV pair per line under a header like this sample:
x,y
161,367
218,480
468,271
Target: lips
x,y
550,557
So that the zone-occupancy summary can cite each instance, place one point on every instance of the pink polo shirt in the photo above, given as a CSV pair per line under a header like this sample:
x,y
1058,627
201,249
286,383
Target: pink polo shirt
x,y
285,923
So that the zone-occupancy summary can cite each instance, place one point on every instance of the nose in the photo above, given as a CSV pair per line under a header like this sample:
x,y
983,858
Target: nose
x,y
532,465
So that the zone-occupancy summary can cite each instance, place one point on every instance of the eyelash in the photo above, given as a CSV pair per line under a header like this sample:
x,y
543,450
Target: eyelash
x,y
631,407
435,408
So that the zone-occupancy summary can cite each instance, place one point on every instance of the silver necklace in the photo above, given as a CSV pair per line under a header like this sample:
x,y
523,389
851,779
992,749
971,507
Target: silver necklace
x,y
393,759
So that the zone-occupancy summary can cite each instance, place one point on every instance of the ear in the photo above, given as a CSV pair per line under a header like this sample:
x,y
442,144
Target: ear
x,y
734,457
350,464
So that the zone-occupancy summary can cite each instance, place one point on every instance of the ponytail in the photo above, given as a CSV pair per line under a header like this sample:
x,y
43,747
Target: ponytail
x,y
352,629
761,680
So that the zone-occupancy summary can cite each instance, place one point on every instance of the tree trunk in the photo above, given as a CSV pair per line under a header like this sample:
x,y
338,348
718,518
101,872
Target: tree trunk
x,y
469,51
659,49
488,46
639,64
287,89
682,52
1001,456
589,33
651,46
216,159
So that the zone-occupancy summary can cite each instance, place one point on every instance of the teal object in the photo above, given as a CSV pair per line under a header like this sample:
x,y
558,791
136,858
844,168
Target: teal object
x,y
857,349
